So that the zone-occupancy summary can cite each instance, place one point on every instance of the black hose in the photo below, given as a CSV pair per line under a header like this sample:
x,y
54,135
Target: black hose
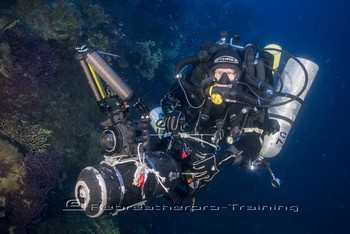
x,y
279,93
255,75
237,94
251,79
260,70
189,87
249,57
202,56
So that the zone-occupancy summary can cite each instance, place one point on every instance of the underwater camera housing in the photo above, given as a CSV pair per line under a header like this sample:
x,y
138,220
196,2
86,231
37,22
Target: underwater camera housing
x,y
129,174
120,137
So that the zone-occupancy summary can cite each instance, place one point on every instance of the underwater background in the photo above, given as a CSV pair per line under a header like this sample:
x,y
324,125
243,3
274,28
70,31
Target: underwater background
x,y
49,122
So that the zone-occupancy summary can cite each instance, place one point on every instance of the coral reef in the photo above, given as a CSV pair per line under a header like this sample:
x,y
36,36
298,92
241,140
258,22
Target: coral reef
x,y
43,174
25,183
105,226
65,22
51,20
33,137
11,168
26,70
76,222
44,169
151,58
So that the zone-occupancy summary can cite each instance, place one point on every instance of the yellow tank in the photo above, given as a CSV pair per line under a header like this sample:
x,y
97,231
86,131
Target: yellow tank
x,y
276,54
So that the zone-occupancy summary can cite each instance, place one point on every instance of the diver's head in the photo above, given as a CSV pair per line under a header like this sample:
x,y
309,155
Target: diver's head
x,y
226,66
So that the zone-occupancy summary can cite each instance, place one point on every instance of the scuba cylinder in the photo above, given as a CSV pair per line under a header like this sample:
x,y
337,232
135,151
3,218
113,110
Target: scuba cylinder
x,y
156,115
294,77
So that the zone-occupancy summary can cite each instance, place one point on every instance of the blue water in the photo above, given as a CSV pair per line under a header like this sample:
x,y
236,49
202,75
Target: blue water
x,y
314,164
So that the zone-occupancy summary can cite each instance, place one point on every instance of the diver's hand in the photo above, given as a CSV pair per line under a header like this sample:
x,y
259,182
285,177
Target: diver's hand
x,y
174,122
205,169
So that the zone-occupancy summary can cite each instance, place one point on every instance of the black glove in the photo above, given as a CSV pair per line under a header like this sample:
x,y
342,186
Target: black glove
x,y
174,122
205,169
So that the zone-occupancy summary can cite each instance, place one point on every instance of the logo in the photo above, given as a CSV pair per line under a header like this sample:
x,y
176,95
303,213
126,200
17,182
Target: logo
x,y
71,205
226,59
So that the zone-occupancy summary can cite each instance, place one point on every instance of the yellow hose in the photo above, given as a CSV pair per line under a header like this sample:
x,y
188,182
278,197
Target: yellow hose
x,y
98,82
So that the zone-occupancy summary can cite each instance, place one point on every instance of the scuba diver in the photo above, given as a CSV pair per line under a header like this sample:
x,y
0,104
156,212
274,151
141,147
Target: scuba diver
x,y
212,101
226,108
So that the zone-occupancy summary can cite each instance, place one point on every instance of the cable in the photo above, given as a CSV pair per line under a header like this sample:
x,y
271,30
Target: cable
x,y
188,101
